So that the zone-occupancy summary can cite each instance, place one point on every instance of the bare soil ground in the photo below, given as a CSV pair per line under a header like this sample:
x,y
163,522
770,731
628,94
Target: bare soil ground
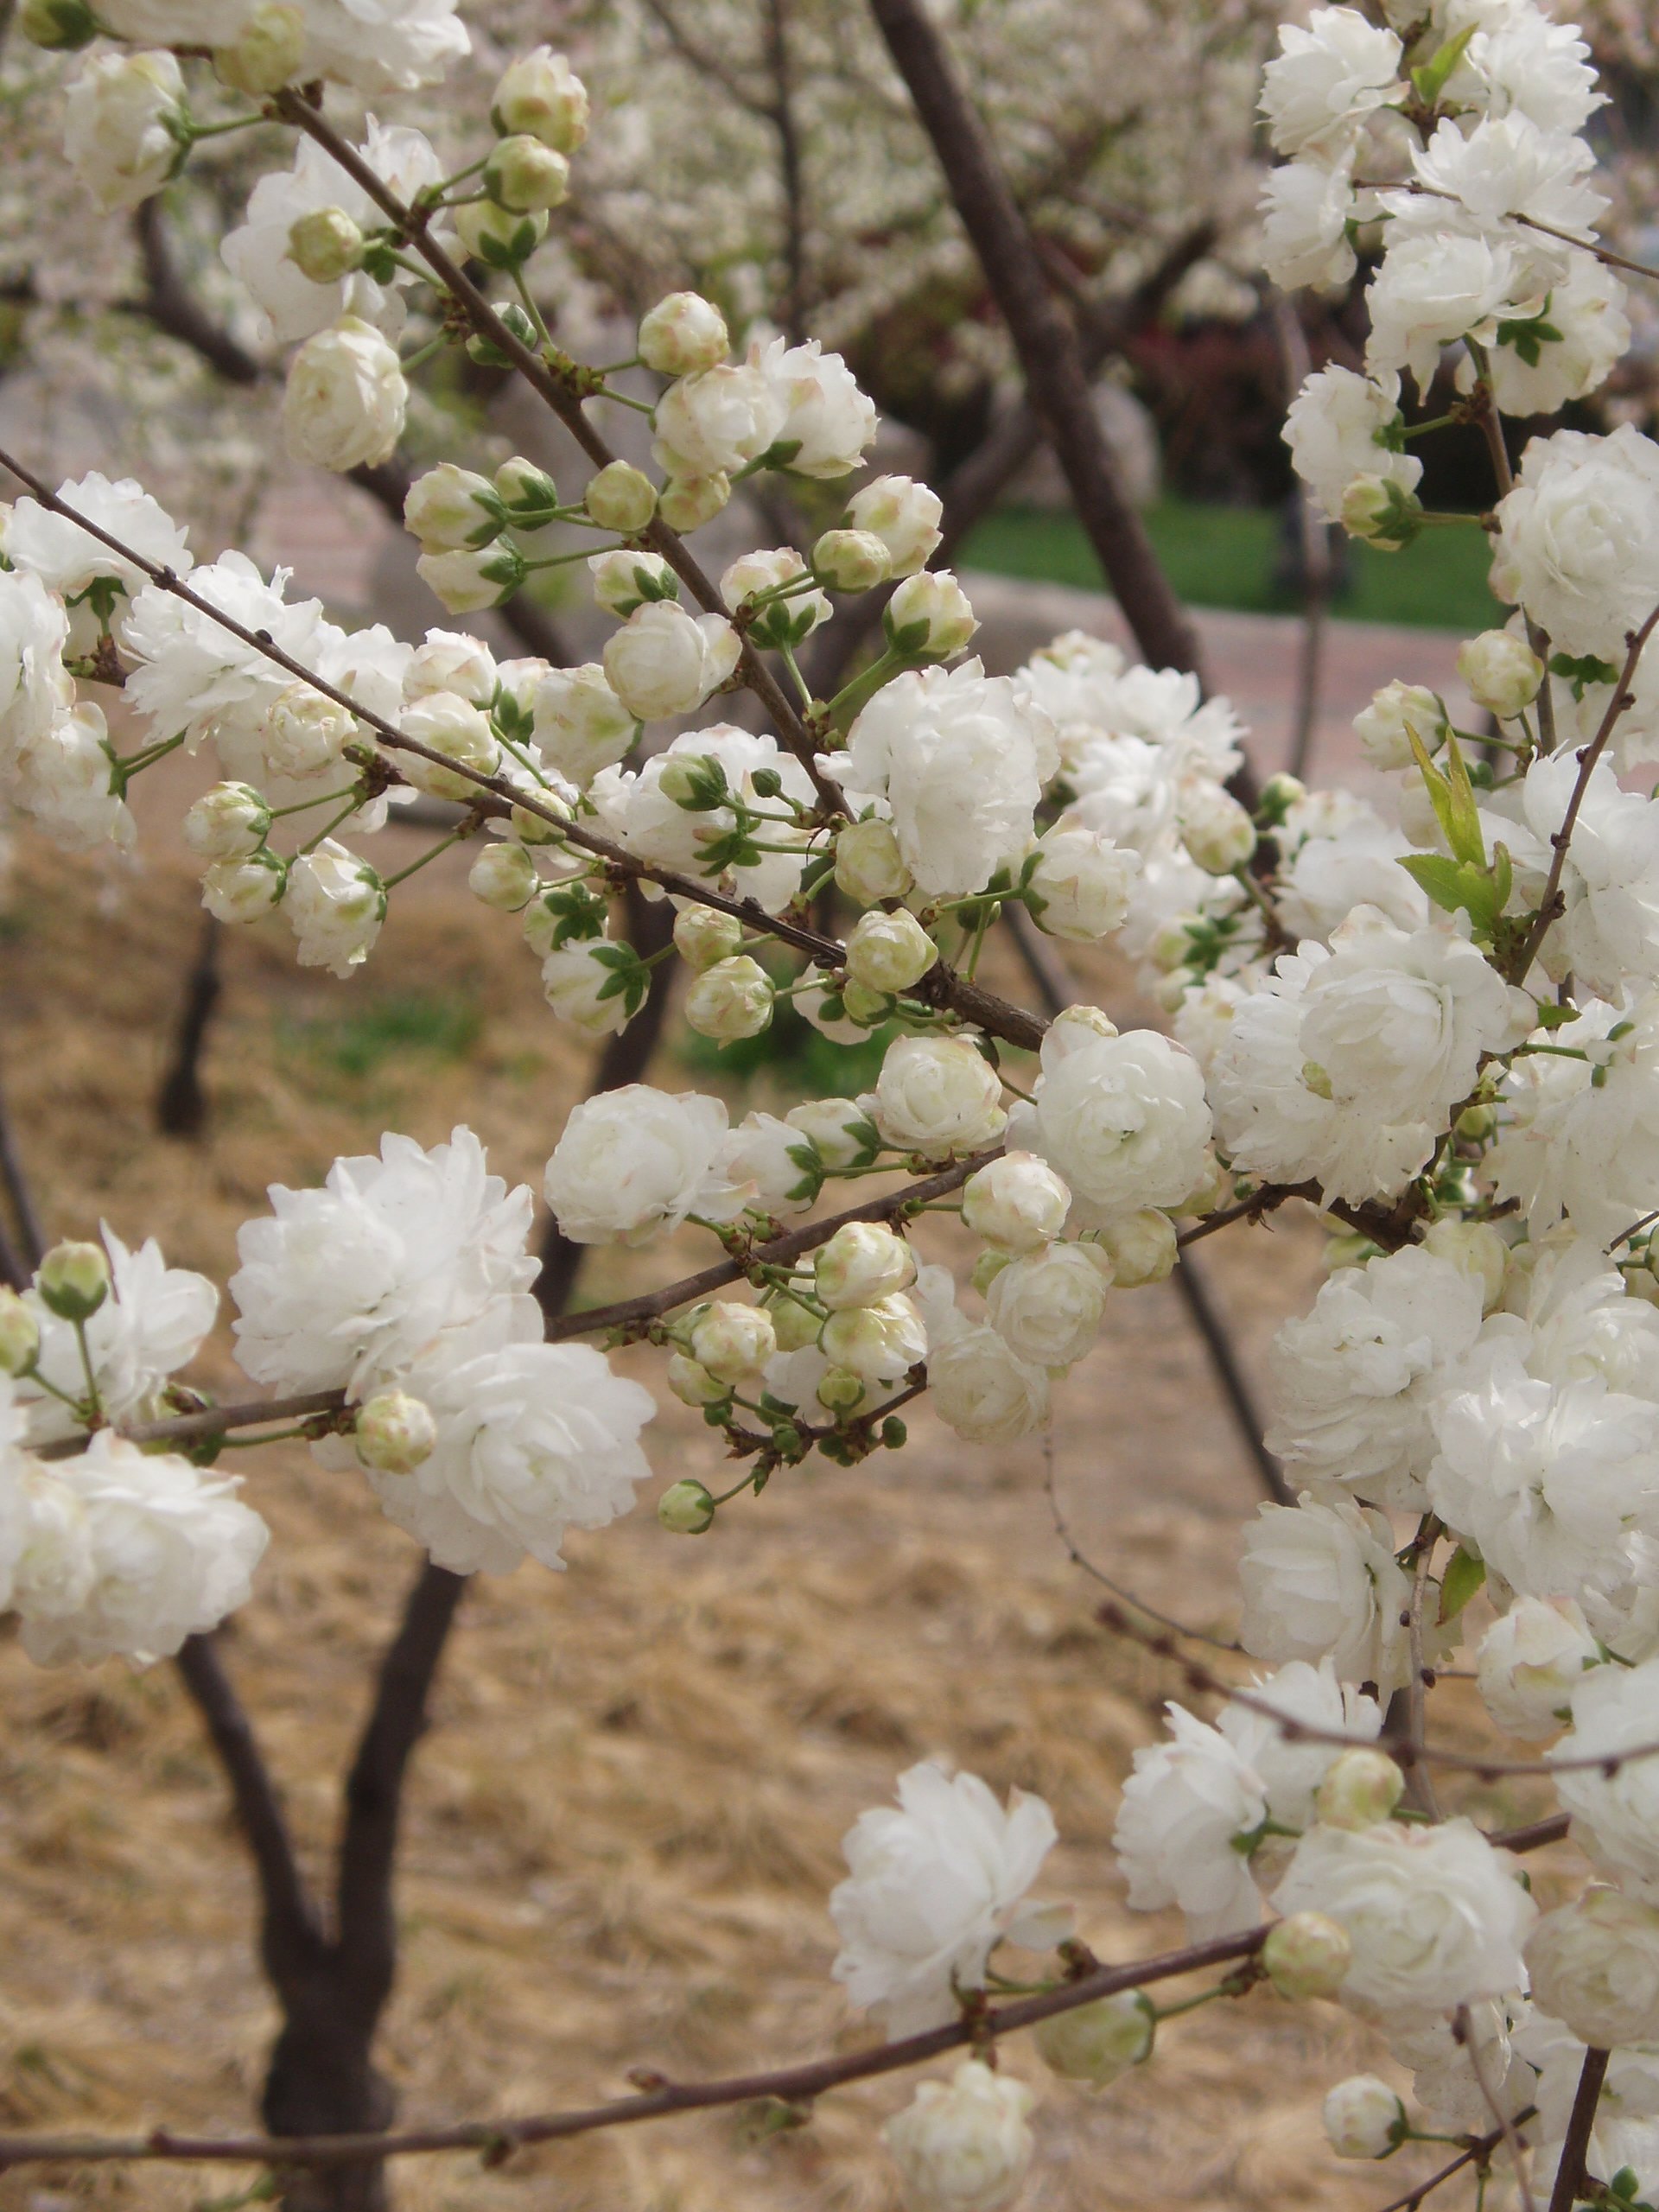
x,y
624,1824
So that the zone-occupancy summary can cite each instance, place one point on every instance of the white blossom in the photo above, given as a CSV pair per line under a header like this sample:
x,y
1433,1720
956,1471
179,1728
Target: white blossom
x,y
1615,1815
635,1161
937,1096
965,2148
346,398
1578,538
1122,1119
122,123
1322,1580
1529,1664
932,1887
1182,1806
342,1286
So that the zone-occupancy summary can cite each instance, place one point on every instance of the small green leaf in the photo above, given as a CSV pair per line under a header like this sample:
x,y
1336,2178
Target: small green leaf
x,y
1463,1576
1431,78
1464,834
1583,673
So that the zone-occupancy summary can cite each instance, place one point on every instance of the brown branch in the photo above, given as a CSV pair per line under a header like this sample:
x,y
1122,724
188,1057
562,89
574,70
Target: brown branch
x,y
1570,2174
565,401
1476,2154
291,1936
1550,903
497,798
181,1102
1044,336
782,116
497,2138
31,1236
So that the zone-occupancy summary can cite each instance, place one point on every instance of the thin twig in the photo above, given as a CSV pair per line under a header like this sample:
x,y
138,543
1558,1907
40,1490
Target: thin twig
x,y
1416,1688
1476,2154
1462,2029
1570,2174
1622,700
497,2138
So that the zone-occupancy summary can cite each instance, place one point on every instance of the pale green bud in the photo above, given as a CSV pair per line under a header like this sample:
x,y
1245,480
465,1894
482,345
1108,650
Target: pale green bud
x,y
860,1002
266,54
60,26
73,1280
621,498
685,503
889,952
732,1340
928,617
1503,672
986,1268
1382,512
1141,1246
526,491
794,1324
733,999
1364,2118
703,936
841,1390
682,335
1097,2042
1360,1789
525,175
541,96
869,866
851,560
468,580
692,1384
20,1335
504,876
501,238
1308,1955
395,1433
686,1509
326,245
244,890
227,823
449,507
864,1261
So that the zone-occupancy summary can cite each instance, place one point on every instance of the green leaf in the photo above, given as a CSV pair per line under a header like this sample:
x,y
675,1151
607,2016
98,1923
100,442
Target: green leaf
x,y
1583,673
1455,885
1462,834
1463,1576
1432,78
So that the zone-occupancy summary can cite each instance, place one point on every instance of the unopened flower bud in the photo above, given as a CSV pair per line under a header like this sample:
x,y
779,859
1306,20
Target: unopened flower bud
x,y
1017,1204
20,1335
541,95
685,503
228,822
1308,1955
1477,1124
452,725
861,1004
501,238
1474,1246
621,498
244,890
986,1268
526,491
841,1390
580,723
266,53
503,875
879,1342
682,335
73,1280
733,1341
733,999
868,863
1097,2042
1529,1662
1216,830
1279,794
851,560
889,952
395,1433
686,1509
692,1384
326,245
525,175
449,506
1360,1789
1380,511
1172,946
304,731
1396,713
1364,2118
928,618
466,582
60,26
703,936
864,1261
794,1324
1141,1246
624,580
1502,671
904,514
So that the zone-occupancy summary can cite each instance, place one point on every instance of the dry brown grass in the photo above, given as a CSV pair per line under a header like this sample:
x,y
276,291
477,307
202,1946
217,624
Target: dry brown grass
x,y
624,1824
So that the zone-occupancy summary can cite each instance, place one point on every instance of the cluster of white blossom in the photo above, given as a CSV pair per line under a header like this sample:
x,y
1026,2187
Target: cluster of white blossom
x,y
1442,1031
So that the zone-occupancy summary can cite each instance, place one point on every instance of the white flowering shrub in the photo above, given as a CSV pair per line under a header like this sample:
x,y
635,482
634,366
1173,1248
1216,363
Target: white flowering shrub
x,y
1438,1028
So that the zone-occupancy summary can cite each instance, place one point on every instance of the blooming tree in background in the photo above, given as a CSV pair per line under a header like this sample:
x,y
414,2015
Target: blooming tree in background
x,y
1437,1026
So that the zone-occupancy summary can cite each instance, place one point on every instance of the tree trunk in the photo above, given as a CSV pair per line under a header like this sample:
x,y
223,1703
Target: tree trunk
x,y
322,2081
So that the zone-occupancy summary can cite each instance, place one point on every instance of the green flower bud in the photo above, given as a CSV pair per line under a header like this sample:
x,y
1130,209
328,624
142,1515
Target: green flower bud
x,y
621,498
326,245
1097,2042
686,1509
266,53
525,175
395,1433
20,1335
1308,1955
58,25
73,1280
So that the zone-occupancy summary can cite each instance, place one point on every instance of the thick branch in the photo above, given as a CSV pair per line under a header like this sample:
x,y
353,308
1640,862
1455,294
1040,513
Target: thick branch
x,y
1570,2174
497,2139
173,308
291,1938
1044,335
